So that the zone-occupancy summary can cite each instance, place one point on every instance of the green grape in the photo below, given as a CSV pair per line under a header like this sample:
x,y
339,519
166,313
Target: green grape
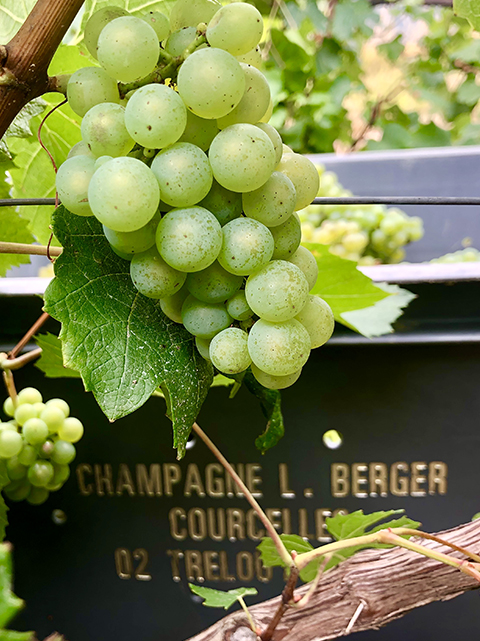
x,y
199,131
272,203
277,292
128,48
253,57
71,430
275,137
28,455
279,349
155,116
189,239
18,491
153,277
268,113
183,173
11,442
46,449
53,418
305,260
97,22
225,205
304,176
190,13
63,452
40,473
211,83
317,318
203,347
103,129
61,473
204,320
73,178
38,407
172,305
24,412
133,242
378,238
213,284
88,87
37,495
80,149
15,469
29,395
159,23
124,194
287,238
229,351
237,28
286,150
10,425
275,382
242,157
101,160
179,40
9,407
35,431
59,402
237,306
255,99
247,246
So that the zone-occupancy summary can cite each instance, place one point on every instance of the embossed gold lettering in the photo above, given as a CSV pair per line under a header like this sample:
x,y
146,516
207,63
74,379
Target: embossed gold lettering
x,y
176,513
104,479
171,476
212,568
245,566
378,479
149,483
124,481
193,481
252,532
197,524
418,478
285,491
340,483
235,524
193,565
216,523
81,470
215,485
437,477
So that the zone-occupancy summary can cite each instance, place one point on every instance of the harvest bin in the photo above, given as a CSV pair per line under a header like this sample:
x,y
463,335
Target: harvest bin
x,y
139,523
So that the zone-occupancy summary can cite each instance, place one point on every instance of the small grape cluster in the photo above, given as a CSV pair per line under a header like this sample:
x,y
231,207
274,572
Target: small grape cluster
x,y
36,446
367,234
466,255
206,210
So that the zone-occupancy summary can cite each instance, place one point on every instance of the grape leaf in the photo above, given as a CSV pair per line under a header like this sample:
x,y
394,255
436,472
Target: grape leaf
x,y
9,603
271,404
219,598
120,341
13,635
269,554
378,319
12,16
51,359
469,9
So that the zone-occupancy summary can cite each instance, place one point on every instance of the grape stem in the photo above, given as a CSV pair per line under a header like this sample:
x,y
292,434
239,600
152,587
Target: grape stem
x,y
33,330
10,385
33,250
18,362
282,550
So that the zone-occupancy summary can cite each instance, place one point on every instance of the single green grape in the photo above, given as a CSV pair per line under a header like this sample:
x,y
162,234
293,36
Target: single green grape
x,y
305,260
204,320
317,318
275,137
59,402
171,306
45,450
203,346
71,430
213,284
277,292
279,349
159,23
24,412
11,443
38,407
63,452
304,176
179,40
35,431
9,407
237,306
72,181
18,491
274,382
104,131
61,473
28,455
40,473
80,149
133,242
287,237
190,13
189,239
254,102
153,277
273,203
37,495
229,351
53,417
253,57
15,469
199,131
225,205
247,246
236,27
29,395
90,86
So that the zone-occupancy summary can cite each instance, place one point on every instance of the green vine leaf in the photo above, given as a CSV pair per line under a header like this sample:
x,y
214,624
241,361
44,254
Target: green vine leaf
x,y
120,341
51,359
14,229
12,16
219,598
469,9
271,404
10,604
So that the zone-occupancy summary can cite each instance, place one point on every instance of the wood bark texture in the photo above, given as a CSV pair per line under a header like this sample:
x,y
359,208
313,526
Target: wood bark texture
x,y
389,583
25,59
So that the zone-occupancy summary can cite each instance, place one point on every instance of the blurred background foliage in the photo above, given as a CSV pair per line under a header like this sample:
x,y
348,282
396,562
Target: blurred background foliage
x,y
349,75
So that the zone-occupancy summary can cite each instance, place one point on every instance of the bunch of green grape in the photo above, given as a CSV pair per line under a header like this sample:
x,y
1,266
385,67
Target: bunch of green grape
x,y
466,255
367,234
36,445
206,210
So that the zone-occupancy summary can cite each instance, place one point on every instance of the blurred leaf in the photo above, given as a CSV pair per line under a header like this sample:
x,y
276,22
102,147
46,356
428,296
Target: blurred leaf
x,y
51,360
219,598
392,49
12,16
469,9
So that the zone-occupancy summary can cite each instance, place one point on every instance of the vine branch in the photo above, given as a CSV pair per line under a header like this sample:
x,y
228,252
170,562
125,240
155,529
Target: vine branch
x,y
25,59
33,250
